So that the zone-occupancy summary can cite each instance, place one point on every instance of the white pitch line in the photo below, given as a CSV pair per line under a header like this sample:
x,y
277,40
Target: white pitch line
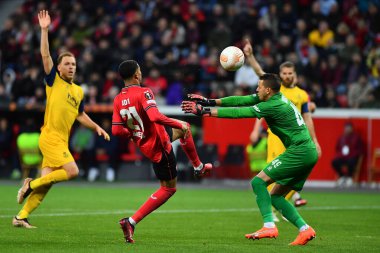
x,y
227,210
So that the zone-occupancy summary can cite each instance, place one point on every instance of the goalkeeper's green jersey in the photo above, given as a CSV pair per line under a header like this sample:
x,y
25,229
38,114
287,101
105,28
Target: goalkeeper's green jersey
x,y
282,117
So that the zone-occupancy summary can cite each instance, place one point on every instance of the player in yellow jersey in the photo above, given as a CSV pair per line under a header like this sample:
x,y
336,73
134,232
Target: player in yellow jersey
x,y
298,97
64,105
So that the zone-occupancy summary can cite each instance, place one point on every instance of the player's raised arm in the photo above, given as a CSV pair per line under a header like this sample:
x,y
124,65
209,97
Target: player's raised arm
x,y
248,51
44,20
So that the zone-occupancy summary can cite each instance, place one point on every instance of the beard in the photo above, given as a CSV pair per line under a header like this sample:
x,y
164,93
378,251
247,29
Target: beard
x,y
287,81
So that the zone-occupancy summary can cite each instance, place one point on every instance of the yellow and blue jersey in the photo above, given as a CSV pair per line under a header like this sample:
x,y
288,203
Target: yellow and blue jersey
x,y
64,101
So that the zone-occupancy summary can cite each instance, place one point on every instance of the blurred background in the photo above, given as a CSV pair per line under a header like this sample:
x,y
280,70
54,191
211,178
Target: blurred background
x,y
334,44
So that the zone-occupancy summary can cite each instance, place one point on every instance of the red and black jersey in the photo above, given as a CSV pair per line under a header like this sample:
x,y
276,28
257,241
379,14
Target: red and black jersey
x,y
135,115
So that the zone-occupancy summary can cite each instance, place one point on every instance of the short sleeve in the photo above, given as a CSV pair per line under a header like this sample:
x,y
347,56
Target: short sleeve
x,y
148,100
49,78
305,102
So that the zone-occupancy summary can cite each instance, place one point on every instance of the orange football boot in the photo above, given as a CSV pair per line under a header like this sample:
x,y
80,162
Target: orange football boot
x,y
263,233
304,237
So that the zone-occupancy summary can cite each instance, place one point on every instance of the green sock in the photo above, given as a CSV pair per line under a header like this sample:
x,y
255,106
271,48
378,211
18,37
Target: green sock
x,y
287,210
263,198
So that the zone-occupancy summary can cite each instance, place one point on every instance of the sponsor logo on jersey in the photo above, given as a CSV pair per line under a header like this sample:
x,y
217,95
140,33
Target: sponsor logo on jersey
x,y
152,101
72,100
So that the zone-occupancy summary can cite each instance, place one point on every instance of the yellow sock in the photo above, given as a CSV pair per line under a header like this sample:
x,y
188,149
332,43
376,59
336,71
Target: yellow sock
x,y
33,201
290,194
49,179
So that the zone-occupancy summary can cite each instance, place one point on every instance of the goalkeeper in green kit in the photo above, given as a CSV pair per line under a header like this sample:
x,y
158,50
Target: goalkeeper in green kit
x,y
289,170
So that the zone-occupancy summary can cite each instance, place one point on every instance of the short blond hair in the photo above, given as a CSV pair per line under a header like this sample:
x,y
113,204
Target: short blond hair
x,y
64,54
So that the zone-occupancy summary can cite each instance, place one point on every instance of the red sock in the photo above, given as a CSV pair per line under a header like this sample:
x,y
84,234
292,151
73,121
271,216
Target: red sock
x,y
189,147
155,201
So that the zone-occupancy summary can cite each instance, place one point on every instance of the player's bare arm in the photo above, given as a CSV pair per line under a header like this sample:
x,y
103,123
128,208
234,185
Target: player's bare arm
x,y
248,51
44,20
310,125
85,120
254,136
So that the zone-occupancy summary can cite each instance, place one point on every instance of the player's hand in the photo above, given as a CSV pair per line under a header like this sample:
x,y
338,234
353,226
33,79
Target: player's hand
x,y
44,19
194,108
185,129
100,131
248,50
201,100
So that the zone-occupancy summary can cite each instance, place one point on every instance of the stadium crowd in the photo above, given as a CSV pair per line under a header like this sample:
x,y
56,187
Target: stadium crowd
x,y
334,44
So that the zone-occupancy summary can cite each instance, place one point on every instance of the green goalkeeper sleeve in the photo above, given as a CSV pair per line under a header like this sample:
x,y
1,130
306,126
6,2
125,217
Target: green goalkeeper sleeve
x,y
240,100
243,112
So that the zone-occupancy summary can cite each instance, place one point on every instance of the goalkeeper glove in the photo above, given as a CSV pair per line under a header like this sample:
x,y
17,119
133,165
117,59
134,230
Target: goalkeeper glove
x,y
201,100
197,109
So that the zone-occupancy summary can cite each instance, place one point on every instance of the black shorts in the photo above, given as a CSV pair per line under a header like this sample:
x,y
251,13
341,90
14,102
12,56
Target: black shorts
x,y
166,168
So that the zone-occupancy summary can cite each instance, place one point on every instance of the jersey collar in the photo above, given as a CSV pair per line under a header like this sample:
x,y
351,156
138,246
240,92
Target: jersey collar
x,y
131,85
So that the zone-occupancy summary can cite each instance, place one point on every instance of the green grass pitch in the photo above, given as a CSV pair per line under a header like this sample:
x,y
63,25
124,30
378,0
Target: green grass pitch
x,y
84,218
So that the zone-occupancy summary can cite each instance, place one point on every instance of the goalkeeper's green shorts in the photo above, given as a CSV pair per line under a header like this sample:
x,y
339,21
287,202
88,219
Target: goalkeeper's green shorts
x,y
292,167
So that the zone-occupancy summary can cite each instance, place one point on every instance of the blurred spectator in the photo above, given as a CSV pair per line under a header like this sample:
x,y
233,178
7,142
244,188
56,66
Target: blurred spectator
x,y
83,143
348,151
156,82
359,91
28,148
246,78
219,37
332,72
257,151
320,37
169,35
106,152
354,69
6,137
4,99
327,6
174,94
349,49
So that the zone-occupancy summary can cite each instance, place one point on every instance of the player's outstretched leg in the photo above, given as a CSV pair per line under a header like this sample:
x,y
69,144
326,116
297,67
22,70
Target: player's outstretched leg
x,y
188,146
304,237
128,230
154,201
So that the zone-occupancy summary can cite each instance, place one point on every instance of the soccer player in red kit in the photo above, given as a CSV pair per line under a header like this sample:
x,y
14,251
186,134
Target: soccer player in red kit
x,y
136,116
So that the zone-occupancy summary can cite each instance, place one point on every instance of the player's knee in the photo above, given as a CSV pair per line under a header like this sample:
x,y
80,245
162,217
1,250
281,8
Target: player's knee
x,y
72,173
257,182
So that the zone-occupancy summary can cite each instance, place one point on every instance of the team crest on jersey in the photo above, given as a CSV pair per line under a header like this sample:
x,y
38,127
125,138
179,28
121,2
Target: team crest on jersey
x,y
148,95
